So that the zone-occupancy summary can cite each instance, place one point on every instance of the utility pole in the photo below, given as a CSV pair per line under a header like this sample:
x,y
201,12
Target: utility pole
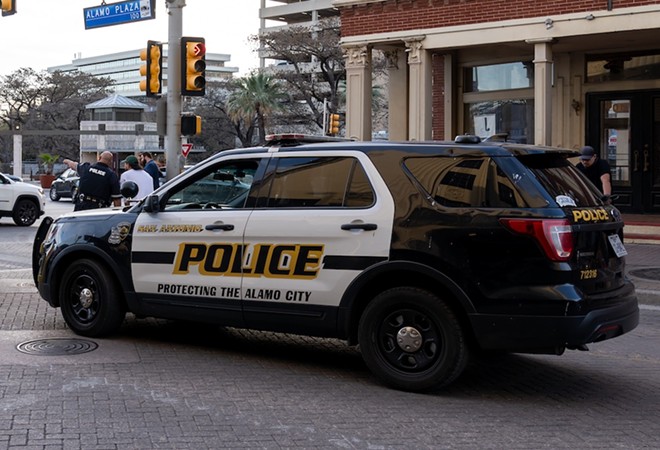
x,y
173,129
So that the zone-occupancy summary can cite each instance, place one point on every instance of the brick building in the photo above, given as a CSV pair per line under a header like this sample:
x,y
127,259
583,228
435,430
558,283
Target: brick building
x,y
561,73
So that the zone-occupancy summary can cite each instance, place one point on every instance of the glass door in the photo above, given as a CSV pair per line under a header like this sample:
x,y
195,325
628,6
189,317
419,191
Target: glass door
x,y
624,128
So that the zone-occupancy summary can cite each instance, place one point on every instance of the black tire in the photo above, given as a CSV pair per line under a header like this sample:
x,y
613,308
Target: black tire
x,y
411,340
26,212
54,196
90,302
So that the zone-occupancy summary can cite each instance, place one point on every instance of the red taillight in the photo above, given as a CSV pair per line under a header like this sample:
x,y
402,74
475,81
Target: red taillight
x,y
554,235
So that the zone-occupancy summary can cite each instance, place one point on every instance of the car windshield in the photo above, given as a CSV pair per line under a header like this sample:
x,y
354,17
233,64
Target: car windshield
x,y
223,187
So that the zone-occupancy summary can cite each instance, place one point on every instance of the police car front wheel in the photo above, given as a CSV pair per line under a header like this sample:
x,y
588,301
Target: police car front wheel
x,y
89,299
411,340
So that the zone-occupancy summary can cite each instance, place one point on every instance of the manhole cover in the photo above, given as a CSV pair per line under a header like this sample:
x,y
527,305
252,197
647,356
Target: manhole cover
x,y
57,347
650,273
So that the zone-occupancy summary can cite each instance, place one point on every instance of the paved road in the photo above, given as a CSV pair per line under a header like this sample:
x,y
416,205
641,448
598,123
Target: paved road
x,y
161,384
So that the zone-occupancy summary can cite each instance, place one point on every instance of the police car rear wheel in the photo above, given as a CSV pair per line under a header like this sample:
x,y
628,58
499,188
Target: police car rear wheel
x,y
89,300
412,340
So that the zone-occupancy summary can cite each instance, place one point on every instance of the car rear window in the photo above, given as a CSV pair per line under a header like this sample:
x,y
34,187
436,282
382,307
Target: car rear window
x,y
562,180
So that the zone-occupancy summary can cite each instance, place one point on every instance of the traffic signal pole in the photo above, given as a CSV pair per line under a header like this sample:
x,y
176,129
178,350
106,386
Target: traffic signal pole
x,y
173,136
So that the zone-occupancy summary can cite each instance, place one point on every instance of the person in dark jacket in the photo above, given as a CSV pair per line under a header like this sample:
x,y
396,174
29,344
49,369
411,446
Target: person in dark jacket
x,y
150,166
99,184
596,169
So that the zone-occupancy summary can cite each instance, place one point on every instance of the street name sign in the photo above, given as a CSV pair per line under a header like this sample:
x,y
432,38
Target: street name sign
x,y
119,13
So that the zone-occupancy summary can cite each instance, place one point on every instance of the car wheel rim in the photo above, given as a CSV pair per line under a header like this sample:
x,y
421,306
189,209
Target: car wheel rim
x,y
27,215
84,299
409,341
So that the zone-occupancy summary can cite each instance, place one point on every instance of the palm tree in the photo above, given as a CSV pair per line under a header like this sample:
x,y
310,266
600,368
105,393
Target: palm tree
x,y
256,97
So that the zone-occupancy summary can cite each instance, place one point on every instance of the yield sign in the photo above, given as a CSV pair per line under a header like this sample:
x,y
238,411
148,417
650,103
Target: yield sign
x,y
185,149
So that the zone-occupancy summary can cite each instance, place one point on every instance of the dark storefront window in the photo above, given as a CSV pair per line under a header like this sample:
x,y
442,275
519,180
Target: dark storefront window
x,y
619,67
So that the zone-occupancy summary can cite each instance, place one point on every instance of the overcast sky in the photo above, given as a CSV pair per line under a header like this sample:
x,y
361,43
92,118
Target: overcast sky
x,y
45,33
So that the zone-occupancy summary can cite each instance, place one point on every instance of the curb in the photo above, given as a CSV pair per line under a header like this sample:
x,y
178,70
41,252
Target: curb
x,y
648,297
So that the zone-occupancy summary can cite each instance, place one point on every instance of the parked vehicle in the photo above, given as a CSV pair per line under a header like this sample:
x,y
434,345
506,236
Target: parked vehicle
x,y
23,202
13,177
420,252
65,185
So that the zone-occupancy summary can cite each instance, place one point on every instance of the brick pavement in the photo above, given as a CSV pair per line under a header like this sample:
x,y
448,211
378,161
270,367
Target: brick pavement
x,y
163,384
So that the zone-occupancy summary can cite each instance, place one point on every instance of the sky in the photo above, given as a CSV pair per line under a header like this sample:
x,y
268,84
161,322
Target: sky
x,y
46,33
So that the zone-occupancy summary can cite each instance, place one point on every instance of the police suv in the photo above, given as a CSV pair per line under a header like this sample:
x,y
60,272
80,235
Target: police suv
x,y
418,252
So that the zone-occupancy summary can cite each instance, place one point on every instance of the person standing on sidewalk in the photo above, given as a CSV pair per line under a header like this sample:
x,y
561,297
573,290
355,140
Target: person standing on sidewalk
x,y
99,184
150,167
135,173
596,169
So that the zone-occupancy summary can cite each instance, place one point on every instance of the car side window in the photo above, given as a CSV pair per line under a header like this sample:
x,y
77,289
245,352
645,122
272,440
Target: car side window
x,y
317,182
221,186
465,182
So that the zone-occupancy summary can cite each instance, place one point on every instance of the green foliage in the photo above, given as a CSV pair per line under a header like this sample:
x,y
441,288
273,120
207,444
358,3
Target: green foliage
x,y
315,65
256,96
48,161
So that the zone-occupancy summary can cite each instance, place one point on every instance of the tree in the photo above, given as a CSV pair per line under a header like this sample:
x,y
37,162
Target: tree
x,y
314,63
34,100
256,96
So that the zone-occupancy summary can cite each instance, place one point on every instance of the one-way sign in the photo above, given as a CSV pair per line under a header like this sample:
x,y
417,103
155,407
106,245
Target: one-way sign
x,y
118,13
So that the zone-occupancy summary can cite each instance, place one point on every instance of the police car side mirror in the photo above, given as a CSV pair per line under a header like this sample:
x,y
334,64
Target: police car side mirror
x,y
152,204
129,189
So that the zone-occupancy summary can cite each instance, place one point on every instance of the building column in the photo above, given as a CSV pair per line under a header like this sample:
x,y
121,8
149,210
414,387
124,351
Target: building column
x,y
397,115
542,90
420,90
358,92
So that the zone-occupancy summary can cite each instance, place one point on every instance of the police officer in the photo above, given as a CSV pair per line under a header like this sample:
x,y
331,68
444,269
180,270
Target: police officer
x,y
99,184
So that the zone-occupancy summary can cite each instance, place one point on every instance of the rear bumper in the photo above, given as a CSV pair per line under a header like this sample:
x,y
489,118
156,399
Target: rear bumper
x,y
543,333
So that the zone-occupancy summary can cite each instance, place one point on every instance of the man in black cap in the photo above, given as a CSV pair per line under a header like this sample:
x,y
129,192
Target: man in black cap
x,y
99,184
596,169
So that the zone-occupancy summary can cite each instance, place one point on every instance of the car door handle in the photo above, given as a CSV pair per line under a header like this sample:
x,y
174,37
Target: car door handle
x,y
359,226
219,226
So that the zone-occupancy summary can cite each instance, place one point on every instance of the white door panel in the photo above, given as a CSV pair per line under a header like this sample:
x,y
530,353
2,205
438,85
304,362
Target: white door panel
x,y
343,253
184,258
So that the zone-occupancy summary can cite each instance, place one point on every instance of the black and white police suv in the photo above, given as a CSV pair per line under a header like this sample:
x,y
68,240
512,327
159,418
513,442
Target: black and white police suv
x,y
418,252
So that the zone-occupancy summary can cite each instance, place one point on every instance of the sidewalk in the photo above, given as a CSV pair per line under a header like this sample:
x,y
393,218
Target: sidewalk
x,y
643,268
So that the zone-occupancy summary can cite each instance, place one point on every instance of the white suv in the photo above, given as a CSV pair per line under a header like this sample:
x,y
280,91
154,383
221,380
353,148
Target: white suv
x,y
23,202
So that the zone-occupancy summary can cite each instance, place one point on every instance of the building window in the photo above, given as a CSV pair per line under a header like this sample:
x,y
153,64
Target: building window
x,y
498,99
619,67
499,77
513,119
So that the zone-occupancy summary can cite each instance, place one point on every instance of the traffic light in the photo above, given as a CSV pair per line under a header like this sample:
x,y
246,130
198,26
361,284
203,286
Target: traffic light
x,y
333,124
193,66
191,125
8,7
152,69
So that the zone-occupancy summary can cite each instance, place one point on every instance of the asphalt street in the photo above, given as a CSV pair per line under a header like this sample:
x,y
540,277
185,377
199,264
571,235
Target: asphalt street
x,y
164,384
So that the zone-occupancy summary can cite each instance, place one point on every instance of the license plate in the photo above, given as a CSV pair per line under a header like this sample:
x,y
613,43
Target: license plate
x,y
617,245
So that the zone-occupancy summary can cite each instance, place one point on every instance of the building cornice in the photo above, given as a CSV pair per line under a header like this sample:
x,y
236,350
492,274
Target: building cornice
x,y
573,24
346,3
